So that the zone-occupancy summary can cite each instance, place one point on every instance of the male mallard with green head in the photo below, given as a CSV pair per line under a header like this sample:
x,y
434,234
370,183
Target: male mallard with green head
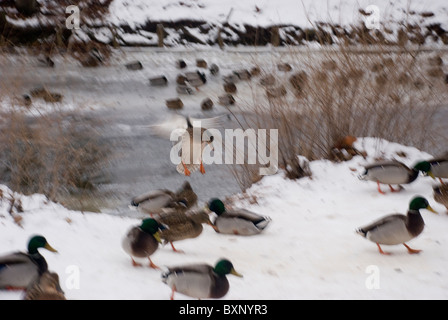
x,y
237,221
438,168
19,269
200,280
397,228
142,241
392,172
182,225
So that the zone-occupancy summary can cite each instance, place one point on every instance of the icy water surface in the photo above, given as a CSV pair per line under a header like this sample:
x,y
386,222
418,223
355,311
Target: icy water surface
x,y
125,102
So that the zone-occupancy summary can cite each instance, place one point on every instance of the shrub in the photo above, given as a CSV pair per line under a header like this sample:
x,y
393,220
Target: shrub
x,y
57,153
338,92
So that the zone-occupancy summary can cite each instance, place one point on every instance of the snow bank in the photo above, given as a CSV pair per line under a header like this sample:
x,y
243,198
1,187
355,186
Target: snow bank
x,y
265,13
310,250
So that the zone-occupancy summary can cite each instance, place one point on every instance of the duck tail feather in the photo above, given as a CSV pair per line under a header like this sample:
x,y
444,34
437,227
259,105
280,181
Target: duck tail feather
x,y
262,224
134,204
165,276
363,176
361,232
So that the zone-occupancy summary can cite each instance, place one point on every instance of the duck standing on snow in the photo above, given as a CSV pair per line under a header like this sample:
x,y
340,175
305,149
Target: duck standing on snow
x,y
392,172
438,168
142,241
397,228
441,195
182,225
45,287
200,280
19,269
237,221
155,201
186,195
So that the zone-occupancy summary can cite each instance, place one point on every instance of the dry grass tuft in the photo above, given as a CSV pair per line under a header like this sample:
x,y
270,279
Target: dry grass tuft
x,y
56,153
383,94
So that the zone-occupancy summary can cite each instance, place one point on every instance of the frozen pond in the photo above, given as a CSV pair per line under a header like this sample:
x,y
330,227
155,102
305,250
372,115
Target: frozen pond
x,y
125,102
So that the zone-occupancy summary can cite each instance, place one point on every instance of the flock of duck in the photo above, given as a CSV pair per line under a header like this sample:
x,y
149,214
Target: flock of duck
x,y
174,216
397,228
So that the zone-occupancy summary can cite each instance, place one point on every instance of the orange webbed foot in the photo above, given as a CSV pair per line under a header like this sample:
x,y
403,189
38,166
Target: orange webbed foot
x,y
135,264
152,265
381,251
186,171
410,250
202,168
379,188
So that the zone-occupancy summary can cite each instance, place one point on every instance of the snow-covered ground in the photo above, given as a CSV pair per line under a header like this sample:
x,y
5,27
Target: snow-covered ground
x,y
310,250
388,16
302,13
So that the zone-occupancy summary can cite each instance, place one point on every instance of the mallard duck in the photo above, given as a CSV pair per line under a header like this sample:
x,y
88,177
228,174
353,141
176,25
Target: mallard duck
x,y
174,104
196,79
200,280
184,89
45,287
181,64
191,160
207,104
230,87
185,127
438,168
397,228
226,100
243,74
142,241
155,201
134,65
159,81
392,172
214,69
237,221
19,269
441,195
182,225
186,195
